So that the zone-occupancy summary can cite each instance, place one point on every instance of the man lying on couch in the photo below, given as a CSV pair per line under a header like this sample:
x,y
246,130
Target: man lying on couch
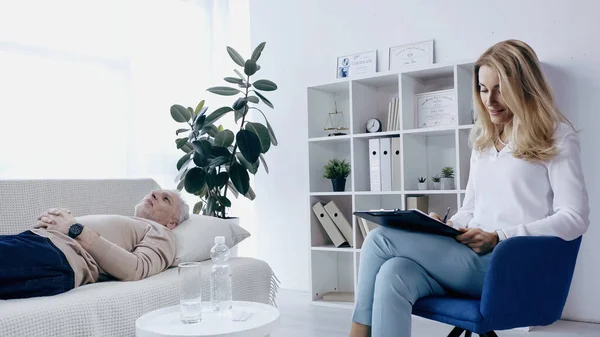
x,y
63,252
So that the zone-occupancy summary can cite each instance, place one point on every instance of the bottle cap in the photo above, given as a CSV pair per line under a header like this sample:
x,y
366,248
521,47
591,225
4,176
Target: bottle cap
x,y
220,240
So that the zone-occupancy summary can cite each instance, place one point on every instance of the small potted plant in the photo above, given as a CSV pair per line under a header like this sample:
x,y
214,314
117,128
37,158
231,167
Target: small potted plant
x,y
436,182
337,171
422,183
448,178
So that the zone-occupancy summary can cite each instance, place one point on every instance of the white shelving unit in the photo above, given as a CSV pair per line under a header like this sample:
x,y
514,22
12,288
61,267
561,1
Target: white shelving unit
x,y
424,152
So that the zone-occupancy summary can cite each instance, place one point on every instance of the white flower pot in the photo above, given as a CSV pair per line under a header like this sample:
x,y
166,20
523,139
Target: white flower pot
x,y
422,186
448,184
437,185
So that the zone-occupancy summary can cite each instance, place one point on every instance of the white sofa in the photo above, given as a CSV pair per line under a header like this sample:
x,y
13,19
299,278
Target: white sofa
x,y
105,308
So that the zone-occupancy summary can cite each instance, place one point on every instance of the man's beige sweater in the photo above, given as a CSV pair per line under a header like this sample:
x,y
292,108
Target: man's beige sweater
x,y
128,248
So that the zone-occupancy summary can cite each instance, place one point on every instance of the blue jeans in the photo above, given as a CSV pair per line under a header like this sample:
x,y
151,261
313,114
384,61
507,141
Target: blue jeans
x,y
398,267
30,266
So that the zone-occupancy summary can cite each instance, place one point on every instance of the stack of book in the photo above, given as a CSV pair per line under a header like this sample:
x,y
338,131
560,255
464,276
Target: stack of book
x,y
393,121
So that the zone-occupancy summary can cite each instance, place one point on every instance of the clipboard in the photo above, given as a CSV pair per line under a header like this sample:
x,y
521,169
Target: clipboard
x,y
413,220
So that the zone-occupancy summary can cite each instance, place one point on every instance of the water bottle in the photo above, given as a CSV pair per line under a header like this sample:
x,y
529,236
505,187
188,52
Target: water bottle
x,y
220,277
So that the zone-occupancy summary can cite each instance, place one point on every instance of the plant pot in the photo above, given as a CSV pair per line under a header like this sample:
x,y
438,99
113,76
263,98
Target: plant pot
x,y
448,184
422,186
437,185
339,184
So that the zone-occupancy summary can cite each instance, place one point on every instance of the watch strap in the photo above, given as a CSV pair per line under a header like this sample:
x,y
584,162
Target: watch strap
x,y
501,235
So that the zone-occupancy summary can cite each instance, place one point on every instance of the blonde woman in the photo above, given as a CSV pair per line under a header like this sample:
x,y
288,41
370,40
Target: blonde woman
x,y
525,179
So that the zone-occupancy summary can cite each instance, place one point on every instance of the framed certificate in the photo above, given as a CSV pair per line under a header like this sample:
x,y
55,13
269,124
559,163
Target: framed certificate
x,y
356,64
409,54
436,108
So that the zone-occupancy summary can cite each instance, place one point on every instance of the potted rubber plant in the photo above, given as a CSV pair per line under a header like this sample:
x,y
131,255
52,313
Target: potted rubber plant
x,y
219,160
448,178
337,171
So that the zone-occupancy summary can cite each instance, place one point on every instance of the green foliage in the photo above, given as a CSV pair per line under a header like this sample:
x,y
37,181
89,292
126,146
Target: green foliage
x,y
219,160
448,172
336,169
436,178
422,179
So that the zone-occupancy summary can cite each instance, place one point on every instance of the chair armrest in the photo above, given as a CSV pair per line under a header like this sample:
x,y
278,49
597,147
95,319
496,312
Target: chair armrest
x,y
527,280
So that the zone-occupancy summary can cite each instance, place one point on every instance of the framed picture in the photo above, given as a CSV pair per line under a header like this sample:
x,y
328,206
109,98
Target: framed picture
x,y
409,54
357,64
437,108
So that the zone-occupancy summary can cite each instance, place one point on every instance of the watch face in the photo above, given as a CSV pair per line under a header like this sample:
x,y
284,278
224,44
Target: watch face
x,y
75,230
373,125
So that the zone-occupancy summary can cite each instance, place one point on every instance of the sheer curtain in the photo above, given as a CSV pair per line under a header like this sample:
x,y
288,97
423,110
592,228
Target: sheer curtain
x,y
86,85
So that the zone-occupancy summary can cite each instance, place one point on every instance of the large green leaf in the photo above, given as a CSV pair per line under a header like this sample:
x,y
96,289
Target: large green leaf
x,y
198,207
264,99
263,135
220,112
180,131
234,80
224,138
199,106
222,179
253,99
249,144
187,147
264,163
257,51
265,85
219,151
180,114
224,91
199,122
211,129
239,114
202,147
194,180
271,132
218,161
251,167
250,195
239,177
200,160
211,179
250,67
240,103
235,56
224,201
180,185
183,161
239,74
181,142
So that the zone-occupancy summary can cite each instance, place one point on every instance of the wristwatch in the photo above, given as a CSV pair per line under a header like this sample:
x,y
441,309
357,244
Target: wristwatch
x,y
501,235
75,230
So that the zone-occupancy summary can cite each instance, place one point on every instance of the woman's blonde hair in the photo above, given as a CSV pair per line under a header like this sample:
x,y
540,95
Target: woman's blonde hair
x,y
527,94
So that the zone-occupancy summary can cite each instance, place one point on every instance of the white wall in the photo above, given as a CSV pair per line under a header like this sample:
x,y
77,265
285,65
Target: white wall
x,y
305,37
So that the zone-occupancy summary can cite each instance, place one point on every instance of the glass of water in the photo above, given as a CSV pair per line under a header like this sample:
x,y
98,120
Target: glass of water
x,y
190,292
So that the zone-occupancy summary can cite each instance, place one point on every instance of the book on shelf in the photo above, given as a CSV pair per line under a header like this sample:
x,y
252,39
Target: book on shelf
x,y
340,221
393,118
330,228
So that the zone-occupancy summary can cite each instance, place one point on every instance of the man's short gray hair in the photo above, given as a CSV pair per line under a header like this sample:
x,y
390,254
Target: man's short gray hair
x,y
184,208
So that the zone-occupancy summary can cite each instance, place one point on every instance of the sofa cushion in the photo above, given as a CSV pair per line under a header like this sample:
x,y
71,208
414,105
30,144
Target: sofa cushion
x,y
196,236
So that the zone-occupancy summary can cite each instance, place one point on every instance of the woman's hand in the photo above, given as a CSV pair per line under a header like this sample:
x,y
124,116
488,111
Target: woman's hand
x,y
439,218
480,241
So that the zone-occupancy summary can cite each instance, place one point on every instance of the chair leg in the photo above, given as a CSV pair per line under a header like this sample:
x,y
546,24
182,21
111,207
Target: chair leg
x,y
488,334
456,332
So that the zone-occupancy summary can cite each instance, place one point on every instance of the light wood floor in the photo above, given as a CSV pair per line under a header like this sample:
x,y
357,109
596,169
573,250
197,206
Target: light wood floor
x,y
300,319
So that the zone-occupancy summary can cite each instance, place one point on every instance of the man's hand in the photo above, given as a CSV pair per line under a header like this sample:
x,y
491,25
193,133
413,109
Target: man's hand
x,y
438,217
56,219
480,241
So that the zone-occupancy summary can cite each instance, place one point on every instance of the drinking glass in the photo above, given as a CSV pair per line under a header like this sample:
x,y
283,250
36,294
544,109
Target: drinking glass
x,y
190,292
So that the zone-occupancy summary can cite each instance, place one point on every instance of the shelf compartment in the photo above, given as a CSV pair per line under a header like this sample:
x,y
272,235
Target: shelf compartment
x,y
331,272
463,82
319,238
371,98
319,154
322,100
425,155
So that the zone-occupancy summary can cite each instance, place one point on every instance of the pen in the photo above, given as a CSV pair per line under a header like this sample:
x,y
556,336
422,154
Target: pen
x,y
446,216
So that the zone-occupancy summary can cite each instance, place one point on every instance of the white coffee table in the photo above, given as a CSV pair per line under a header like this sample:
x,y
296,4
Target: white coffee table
x,y
165,322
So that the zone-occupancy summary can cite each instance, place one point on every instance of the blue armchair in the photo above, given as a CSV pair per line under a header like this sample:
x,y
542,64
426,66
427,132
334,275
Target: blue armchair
x,y
526,284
